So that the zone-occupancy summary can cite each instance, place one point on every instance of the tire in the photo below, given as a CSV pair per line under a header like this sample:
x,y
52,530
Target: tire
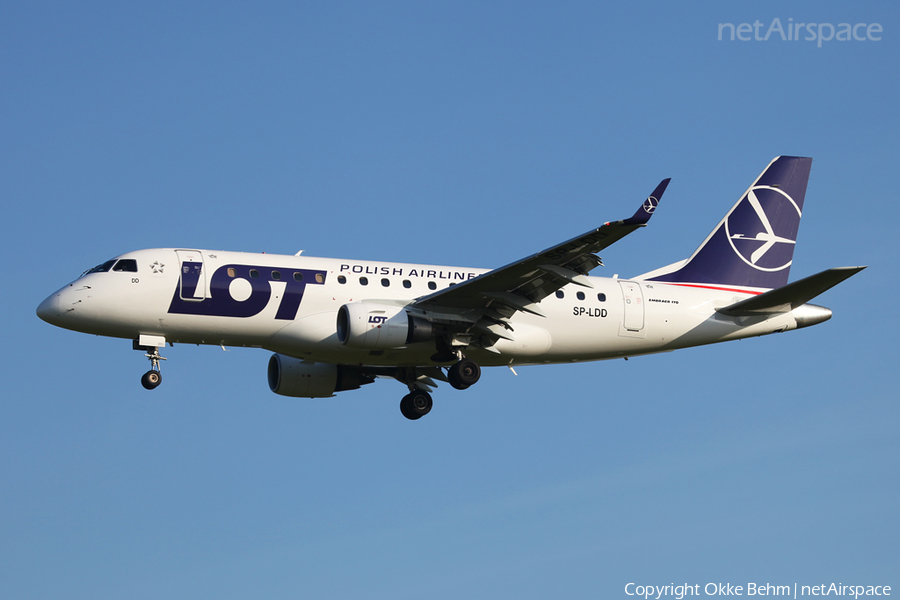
x,y
151,379
453,378
464,374
405,408
416,405
421,403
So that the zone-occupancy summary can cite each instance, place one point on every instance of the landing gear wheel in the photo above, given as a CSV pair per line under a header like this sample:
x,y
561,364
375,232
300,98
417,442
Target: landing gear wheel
x,y
416,405
464,373
405,409
151,379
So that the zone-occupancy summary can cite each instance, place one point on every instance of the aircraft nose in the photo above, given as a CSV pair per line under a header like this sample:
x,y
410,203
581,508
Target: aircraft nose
x,y
48,310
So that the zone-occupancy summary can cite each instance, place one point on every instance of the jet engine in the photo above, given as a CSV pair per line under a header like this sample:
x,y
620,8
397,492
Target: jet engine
x,y
304,379
370,326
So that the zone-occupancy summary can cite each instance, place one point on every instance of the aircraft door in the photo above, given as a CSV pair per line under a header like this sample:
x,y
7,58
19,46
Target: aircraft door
x,y
633,298
192,275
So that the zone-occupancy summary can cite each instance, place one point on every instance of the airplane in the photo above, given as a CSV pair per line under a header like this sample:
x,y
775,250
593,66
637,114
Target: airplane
x,y
335,325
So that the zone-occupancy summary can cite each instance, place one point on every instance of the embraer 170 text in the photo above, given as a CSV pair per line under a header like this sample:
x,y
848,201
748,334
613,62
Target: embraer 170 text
x,y
335,325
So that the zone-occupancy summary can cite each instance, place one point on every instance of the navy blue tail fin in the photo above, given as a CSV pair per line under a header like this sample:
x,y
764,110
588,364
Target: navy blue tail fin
x,y
754,244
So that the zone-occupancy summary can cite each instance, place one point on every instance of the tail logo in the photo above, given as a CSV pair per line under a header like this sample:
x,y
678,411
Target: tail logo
x,y
650,204
755,240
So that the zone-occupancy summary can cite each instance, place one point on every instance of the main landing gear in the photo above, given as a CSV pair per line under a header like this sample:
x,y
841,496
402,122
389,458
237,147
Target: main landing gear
x,y
463,374
153,377
417,403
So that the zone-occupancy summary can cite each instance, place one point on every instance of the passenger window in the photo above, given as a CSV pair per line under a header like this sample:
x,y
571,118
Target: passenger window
x,y
254,274
560,294
363,281
127,265
432,285
407,283
231,272
298,276
601,297
342,280
276,275
320,278
580,295
386,282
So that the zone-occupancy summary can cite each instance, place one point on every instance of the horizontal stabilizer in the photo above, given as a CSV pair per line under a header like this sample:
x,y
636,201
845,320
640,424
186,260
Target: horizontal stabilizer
x,y
792,295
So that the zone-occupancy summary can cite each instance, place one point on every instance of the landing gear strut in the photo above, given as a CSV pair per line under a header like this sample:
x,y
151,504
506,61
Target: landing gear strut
x,y
153,377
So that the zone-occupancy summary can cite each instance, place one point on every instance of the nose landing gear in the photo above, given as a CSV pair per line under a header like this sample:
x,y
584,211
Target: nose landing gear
x,y
153,377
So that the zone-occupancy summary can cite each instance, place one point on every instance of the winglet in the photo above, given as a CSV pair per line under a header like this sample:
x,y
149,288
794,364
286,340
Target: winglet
x,y
647,209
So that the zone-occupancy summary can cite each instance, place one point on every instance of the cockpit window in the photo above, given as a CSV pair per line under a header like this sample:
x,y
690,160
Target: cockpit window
x,y
100,268
128,265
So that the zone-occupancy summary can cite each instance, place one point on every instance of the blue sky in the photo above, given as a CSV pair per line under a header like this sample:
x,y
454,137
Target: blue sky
x,y
452,133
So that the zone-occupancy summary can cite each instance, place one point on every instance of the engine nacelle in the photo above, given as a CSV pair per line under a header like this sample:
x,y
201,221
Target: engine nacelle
x,y
372,326
304,379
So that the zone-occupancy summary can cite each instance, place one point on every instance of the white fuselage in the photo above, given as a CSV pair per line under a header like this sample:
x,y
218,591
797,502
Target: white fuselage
x,y
289,304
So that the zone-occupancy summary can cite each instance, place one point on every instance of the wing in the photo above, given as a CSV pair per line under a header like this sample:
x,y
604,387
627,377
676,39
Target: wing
x,y
483,305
